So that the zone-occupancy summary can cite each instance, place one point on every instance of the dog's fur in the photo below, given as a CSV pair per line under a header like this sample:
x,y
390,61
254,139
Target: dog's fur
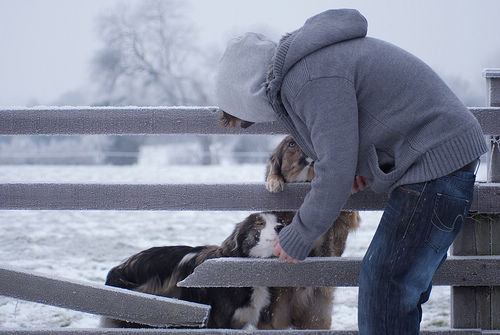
x,y
158,270
303,307
229,121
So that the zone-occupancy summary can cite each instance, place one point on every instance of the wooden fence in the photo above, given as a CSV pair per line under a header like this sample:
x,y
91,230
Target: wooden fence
x,y
473,270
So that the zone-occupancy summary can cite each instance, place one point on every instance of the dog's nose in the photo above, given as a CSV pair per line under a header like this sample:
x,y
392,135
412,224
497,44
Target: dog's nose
x,y
278,228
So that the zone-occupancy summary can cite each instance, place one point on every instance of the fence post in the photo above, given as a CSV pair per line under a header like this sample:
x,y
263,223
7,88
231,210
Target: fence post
x,y
479,307
493,99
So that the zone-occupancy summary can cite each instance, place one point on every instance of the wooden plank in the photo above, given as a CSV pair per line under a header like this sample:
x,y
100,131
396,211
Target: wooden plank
x,y
477,306
493,87
151,120
488,118
209,197
252,197
469,307
101,300
486,198
328,271
493,175
121,120
495,307
107,331
495,290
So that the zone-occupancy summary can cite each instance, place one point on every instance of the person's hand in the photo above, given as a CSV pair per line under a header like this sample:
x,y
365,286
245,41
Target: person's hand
x,y
360,183
278,252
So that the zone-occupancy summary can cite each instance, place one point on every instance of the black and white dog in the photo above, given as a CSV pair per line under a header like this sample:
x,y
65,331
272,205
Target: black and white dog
x,y
158,270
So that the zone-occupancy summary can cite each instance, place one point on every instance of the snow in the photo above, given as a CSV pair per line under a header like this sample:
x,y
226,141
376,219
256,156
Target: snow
x,y
84,245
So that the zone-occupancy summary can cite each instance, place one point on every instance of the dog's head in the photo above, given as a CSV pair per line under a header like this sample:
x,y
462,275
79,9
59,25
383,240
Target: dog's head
x,y
229,121
288,164
255,236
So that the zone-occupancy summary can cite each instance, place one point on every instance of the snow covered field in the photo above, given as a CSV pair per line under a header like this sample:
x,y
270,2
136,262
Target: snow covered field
x,y
84,245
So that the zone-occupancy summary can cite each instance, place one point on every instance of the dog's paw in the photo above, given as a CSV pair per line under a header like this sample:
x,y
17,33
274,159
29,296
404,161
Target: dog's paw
x,y
229,121
275,183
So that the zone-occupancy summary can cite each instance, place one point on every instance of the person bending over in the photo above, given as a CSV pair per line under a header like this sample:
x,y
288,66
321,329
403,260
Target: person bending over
x,y
371,113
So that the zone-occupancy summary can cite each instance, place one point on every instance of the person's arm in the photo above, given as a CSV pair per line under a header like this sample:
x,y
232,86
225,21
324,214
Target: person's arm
x,y
328,107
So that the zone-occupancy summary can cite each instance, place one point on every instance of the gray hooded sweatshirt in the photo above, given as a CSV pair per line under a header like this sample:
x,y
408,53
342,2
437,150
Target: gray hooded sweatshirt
x,y
357,106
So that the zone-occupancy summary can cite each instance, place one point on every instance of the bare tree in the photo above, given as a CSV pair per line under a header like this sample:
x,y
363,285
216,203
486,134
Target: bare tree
x,y
150,57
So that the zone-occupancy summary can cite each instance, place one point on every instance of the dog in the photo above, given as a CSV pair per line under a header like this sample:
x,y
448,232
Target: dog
x,y
159,269
303,307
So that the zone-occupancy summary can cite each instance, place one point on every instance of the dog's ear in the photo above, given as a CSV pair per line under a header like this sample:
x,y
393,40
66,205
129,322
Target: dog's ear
x,y
274,162
275,182
229,121
230,244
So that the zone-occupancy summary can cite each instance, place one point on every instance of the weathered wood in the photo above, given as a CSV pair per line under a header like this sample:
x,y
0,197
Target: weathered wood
x,y
121,120
493,174
75,331
493,94
108,331
101,300
488,119
495,307
469,307
164,197
486,198
493,87
150,120
328,271
480,306
210,197
476,306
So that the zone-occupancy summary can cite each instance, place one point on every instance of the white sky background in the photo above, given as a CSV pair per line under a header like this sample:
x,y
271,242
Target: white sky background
x,y
46,46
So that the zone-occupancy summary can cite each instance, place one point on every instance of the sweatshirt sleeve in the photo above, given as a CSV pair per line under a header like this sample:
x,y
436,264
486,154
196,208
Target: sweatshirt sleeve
x,y
328,108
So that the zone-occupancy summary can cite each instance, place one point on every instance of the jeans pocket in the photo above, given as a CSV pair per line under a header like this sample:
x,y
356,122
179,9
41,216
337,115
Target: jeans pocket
x,y
448,216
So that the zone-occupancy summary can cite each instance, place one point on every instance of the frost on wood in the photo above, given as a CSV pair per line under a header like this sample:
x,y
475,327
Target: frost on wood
x,y
102,300
122,120
327,271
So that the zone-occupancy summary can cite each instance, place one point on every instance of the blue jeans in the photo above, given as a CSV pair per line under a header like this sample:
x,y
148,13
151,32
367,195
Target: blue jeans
x,y
418,226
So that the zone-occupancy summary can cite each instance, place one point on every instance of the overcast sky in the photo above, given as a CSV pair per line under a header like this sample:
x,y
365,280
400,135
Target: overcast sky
x,y
46,46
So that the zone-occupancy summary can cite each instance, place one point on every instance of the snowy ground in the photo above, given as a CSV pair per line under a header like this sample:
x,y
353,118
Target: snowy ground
x,y
84,245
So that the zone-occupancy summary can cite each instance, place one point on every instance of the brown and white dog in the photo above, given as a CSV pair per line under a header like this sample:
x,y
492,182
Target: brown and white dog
x,y
158,270
303,307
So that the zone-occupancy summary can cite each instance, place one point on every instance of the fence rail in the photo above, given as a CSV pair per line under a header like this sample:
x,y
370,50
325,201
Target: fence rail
x,y
206,197
58,331
121,121
152,120
329,271
101,300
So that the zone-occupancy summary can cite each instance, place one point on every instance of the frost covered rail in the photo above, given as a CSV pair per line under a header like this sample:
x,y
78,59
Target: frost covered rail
x,y
329,271
121,121
151,120
75,331
101,300
206,197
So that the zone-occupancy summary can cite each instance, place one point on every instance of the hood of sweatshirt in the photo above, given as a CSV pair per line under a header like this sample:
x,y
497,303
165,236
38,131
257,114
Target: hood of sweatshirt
x,y
239,83
319,31
243,86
